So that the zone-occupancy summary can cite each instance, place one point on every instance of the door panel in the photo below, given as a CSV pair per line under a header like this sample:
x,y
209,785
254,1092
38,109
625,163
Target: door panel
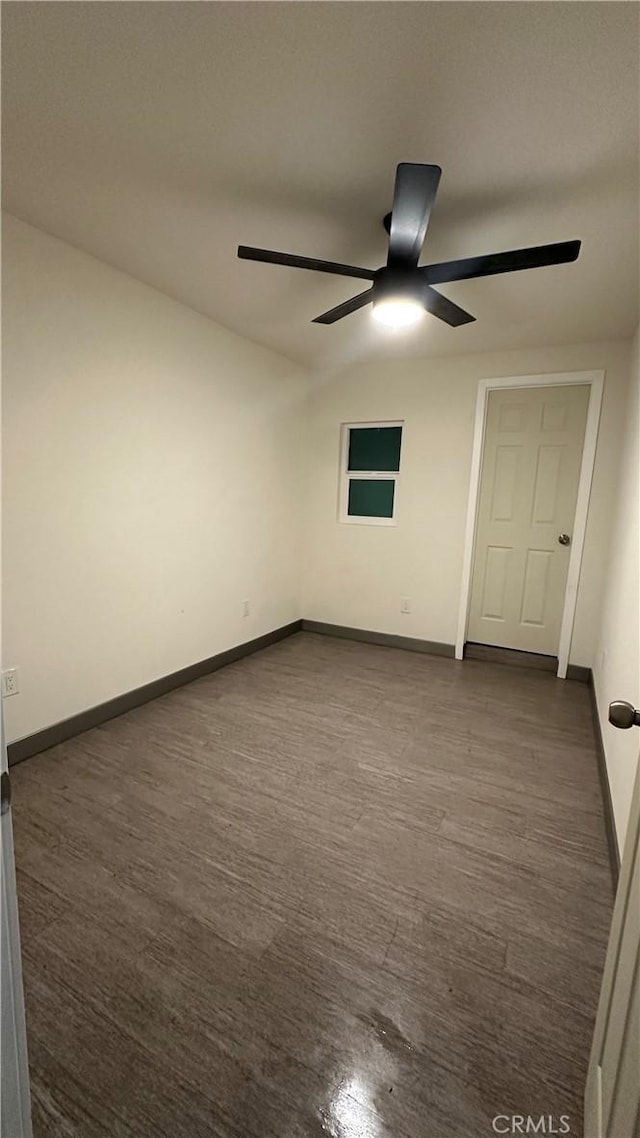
x,y
510,417
546,490
505,481
612,1093
554,416
528,488
495,583
535,589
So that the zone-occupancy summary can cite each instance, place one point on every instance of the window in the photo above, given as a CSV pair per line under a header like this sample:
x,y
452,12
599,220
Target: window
x,y
369,473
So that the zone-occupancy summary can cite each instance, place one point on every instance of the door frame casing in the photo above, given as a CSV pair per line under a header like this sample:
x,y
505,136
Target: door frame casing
x,y
595,381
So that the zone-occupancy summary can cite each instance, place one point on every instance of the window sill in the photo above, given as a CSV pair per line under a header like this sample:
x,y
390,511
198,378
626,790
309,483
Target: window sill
x,y
354,521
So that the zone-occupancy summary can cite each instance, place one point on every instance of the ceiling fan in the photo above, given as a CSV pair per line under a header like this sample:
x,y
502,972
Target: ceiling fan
x,y
401,291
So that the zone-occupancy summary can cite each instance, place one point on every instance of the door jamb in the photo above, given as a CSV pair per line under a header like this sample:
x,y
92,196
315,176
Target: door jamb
x,y
595,380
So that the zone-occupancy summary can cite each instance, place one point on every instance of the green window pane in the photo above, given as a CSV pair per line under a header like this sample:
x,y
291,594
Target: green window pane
x,y
374,448
371,497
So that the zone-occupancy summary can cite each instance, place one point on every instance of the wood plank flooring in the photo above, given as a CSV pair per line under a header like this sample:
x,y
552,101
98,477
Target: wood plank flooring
x,y
333,889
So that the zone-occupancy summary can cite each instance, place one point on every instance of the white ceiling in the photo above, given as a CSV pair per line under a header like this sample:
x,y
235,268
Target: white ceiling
x,y
159,136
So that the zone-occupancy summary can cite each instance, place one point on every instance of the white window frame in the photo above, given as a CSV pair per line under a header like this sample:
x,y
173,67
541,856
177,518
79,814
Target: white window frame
x,y
374,475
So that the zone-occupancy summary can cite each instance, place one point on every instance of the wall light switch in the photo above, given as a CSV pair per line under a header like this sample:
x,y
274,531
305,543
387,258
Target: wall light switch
x,y
246,608
405,604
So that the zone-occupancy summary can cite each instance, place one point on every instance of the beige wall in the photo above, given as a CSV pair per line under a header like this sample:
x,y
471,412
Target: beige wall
x,y
355,575
617,662
151,482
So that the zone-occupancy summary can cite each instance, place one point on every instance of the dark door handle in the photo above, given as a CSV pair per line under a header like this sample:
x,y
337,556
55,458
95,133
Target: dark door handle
x,y
623,714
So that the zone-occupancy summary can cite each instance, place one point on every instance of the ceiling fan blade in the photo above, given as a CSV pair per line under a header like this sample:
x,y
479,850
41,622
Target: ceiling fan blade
x,y
440,306
247,253
490,264
413,198
345,309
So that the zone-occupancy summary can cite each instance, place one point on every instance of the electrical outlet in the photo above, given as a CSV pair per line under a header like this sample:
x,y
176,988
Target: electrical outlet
x,y
10,682
246,608
405,604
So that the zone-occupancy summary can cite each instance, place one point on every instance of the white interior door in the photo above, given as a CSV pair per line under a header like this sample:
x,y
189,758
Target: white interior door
x,y
612,1094
15,1106
532,454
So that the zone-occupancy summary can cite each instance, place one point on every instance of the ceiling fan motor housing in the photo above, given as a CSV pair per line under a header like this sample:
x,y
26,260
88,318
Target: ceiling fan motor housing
x,y
393,283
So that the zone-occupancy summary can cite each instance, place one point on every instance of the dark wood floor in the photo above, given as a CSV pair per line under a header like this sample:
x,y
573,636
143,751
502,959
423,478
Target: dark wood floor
x,y
334,889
